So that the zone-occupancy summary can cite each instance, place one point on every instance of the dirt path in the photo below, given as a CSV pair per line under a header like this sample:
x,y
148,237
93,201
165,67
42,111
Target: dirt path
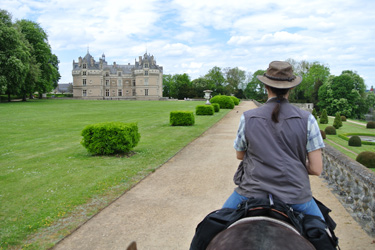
x,y
162,211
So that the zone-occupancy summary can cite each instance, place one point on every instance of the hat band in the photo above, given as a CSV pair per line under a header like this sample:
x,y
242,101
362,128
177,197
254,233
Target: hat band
x,y
280,78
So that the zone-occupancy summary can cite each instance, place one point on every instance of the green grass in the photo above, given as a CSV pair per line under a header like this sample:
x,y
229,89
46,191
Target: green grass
x,y
49,184
348,127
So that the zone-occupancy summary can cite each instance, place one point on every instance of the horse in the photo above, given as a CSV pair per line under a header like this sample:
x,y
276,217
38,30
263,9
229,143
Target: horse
x,y
260,233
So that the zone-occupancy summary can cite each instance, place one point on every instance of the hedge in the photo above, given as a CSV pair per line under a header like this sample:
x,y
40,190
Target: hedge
x,y
204,110
345,137
110,137
216,106
236,101
225,102
367,159
181,118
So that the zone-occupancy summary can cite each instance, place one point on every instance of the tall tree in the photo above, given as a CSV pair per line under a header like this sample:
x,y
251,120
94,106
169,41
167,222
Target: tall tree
x,y
235,77
14,57
216,80
255,89
48,63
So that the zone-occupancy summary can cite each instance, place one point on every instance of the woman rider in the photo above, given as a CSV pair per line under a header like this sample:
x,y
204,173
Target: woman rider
x,y
279,145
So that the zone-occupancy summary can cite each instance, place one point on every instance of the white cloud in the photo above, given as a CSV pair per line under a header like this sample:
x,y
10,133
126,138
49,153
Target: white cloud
x,y
193,36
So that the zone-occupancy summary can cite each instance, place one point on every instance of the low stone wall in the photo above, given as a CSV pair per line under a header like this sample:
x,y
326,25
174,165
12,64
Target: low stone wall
x,y
354,186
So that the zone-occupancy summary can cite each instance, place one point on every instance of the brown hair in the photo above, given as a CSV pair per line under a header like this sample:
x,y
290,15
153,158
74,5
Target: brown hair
x,y
280,93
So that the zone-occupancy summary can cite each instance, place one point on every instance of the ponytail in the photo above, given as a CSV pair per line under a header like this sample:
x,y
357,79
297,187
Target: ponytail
x,y
280,93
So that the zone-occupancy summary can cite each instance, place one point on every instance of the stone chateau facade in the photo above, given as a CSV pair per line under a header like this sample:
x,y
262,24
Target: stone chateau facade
x,y
100,80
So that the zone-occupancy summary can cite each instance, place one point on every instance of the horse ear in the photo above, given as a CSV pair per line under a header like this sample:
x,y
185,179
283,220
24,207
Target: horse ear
x,y
132,246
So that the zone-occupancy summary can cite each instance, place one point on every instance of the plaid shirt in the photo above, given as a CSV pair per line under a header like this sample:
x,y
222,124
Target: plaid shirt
x,y
314,138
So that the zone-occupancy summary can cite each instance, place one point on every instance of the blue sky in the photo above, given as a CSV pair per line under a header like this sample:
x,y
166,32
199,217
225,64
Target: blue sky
x,y
194,36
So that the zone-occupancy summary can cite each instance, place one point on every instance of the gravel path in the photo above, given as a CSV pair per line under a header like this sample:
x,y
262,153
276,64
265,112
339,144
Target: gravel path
x,y
162,211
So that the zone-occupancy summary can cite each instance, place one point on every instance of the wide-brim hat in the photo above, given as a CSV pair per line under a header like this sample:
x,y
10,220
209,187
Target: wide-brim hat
x,y
280,75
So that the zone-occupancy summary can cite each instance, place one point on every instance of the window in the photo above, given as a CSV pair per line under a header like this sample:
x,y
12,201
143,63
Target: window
x,y
134,93
84,92
107,92
146,92
134,82
146,65
84,82
146,81
106,82
84,73
84,65
120,92
106,74
119,82
146,72
119,73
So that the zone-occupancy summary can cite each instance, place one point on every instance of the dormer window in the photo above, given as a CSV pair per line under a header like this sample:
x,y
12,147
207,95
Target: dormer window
x,y
119,73
106,74
146,65
84,73
146,72
84,66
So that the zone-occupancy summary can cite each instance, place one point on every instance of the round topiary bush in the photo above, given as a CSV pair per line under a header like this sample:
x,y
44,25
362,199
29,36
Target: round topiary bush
x,y
224,101
235,100
367,159
343,118
330,130
110,137
355,141
204,110
216,106
370,125
323,134
181,118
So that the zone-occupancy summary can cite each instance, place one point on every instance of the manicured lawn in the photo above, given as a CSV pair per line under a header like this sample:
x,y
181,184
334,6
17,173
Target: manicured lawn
x,y
49,184
348,127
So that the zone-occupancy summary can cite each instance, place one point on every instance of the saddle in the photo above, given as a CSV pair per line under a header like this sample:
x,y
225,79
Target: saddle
x,y
320,233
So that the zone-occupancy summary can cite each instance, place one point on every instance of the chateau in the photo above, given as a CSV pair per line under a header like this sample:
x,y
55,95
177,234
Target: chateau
x,y
99,80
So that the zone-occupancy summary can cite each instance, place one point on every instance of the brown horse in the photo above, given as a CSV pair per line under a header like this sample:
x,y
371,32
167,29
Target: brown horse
x,y
260,233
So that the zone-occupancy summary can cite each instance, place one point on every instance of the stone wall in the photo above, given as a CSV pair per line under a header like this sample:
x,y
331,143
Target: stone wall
x,y
354,186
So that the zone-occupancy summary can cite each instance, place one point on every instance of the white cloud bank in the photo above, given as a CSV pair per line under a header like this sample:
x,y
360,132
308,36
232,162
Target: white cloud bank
x,y
193,36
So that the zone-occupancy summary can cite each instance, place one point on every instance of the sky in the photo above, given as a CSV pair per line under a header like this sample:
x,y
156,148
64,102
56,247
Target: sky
x,y
194,36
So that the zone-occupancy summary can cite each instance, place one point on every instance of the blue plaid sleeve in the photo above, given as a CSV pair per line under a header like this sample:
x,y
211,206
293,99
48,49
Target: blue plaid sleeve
x,y
314,138
240,141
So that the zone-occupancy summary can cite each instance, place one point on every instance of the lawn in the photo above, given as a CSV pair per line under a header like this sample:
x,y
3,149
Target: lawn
x,y
49,184
348,127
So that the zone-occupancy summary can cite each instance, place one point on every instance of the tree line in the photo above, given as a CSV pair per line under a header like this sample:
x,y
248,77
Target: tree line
x,y
345,93
27,64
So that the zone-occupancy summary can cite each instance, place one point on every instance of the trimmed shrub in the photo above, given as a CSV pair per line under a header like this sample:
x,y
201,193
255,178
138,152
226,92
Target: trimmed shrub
x,y
337,123
315,114
204,110
236,101
224,101
343,118
355,141
181,118
324,117
330,130
216,106
110,137
323,134
367,159
370,125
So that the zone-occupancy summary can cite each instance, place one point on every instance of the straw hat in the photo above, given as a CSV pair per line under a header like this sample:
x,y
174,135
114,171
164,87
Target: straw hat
x,y
280,75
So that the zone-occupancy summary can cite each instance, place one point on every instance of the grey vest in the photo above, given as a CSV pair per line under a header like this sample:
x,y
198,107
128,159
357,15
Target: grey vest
x,y
275,160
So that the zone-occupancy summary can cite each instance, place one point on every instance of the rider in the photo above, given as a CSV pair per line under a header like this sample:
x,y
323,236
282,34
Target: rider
x,y
279,145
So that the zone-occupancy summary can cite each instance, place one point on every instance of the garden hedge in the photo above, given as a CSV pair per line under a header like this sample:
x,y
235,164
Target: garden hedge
x,y
330,130
225,102
370,125
345,136
216,106
204,110
110,137
181,118
355,141
367,159
236,101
